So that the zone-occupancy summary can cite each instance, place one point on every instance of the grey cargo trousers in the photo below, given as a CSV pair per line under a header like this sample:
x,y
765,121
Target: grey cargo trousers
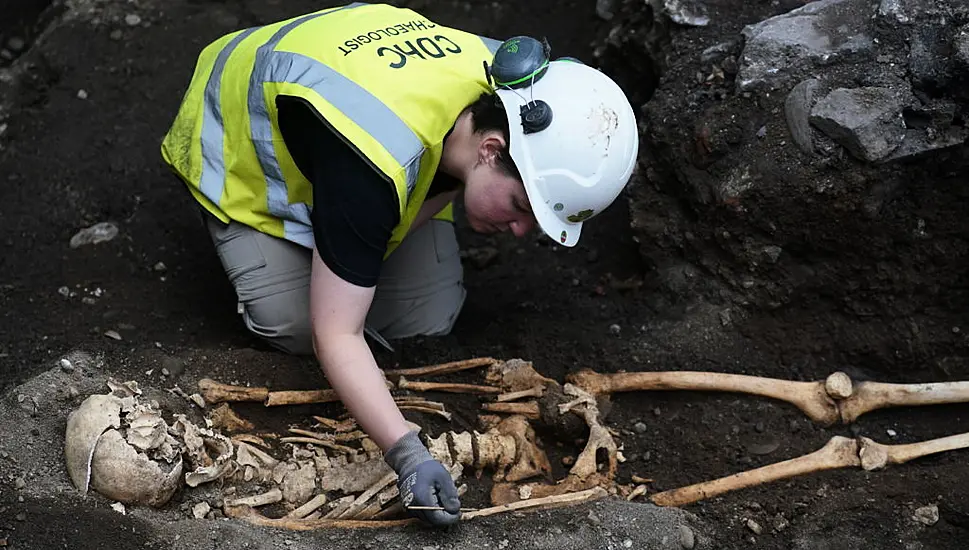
x,y
420,290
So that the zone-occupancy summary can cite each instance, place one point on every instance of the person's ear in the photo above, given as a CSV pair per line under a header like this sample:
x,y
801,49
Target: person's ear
x,y
490,145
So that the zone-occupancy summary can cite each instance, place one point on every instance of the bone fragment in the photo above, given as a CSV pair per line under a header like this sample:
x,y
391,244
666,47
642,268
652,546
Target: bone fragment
x,y
339,506
427,410
546,503
529,409
320,442
353,478
311,506
516,375
337,425
599,436
340,437
640,490
537,391
269,497
444,368
224,418
508,449
413,400
405,384
252,516
249,438
363,500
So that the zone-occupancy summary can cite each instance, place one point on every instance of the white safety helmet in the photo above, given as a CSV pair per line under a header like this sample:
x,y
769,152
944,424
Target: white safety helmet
x,y
576,152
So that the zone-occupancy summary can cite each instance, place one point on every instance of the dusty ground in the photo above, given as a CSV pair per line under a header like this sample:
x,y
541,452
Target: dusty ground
x,y
69,162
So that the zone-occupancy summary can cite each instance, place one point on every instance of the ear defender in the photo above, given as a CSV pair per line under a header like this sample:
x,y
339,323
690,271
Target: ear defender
x,y
520,62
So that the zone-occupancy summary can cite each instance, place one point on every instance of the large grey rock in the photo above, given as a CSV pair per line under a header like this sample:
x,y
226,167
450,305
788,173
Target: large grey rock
x,y
820,33
866,121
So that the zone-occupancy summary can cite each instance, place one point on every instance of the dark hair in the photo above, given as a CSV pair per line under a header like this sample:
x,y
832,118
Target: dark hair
x,y
487,113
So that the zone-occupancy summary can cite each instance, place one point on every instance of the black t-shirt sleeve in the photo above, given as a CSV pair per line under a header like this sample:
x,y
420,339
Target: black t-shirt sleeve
x,y
354,206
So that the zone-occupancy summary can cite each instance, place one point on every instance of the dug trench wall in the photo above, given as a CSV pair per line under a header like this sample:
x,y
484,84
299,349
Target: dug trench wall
x,y
804,172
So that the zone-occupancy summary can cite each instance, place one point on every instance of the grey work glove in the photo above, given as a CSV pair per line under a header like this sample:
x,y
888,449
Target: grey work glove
x,y
423,481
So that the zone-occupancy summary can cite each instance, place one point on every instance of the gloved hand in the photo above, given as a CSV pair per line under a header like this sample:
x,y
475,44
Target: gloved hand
x,y
423,481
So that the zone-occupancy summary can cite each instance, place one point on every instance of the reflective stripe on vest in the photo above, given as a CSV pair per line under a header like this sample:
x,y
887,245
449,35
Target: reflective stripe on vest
x,y
356,103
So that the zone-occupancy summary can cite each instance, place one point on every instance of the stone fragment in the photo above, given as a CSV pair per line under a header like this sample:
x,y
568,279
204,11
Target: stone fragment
x,y
866,121
892,10
819,33
797,110
927,515
98,233
687,12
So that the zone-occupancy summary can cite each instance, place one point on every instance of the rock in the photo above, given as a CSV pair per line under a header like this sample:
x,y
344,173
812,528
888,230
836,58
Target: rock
x,y
606,9
927,515
754,527
95,234
200,510
716,52
866,121
687,12
687,537
763,447
615,329
819,33
116,34
892,9
640,427
797,111
15,44
132,19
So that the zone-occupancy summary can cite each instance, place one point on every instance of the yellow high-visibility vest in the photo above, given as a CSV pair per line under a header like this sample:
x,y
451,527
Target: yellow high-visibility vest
x,y
387,79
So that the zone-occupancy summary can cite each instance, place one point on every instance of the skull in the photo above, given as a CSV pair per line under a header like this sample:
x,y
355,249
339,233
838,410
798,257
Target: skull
x,y
122,448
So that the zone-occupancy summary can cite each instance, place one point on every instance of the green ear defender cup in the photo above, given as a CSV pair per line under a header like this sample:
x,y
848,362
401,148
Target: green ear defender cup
x,y
519,62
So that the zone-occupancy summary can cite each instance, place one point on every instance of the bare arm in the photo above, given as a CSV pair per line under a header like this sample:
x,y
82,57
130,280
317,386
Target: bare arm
x,y
338,310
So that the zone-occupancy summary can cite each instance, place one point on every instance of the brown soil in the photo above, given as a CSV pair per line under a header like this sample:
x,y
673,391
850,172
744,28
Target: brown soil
x,y
67,163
